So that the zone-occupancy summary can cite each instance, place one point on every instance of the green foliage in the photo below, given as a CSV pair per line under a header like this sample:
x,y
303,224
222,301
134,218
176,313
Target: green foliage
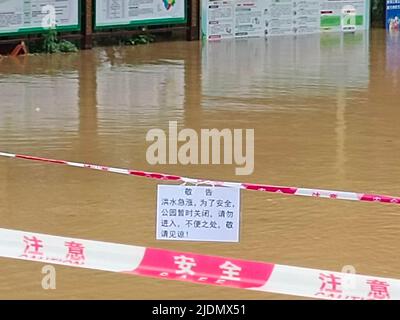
x,y
140,39
66,46
51,44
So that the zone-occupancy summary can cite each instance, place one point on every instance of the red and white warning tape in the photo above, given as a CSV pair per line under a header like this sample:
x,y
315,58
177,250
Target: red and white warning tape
x,y
202,269
319,193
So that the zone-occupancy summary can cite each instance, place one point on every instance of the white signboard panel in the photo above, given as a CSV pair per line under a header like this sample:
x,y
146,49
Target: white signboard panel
x,y
110,13
193,213
27,16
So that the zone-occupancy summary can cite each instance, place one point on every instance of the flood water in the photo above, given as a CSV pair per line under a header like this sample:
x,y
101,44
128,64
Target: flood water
x,y
325,112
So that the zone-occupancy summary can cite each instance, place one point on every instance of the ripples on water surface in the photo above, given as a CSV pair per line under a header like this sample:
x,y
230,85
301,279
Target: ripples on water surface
x,y
325,113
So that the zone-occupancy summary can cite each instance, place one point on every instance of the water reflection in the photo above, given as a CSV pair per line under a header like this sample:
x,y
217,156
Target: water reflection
x,y
325,114
393,55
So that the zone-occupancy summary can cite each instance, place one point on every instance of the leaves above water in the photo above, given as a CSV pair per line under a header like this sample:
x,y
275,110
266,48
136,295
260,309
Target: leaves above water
x,y
51,43
66,46
140,39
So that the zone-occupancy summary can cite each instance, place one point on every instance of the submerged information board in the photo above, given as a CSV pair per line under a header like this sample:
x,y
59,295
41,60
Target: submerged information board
x,y
393,15
249,18
218,19
339,15
119,13
28,16
253,18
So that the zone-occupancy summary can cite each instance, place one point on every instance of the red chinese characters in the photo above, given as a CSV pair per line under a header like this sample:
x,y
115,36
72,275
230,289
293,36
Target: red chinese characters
x,y
35,250
332,288
378,290
330,283
75,253
33,247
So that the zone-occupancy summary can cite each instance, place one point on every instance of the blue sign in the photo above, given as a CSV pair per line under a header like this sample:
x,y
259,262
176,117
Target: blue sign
x,y
393,14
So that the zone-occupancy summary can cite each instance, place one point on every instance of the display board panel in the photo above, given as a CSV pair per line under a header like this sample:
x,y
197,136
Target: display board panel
x,y
120,13
32,16
255,18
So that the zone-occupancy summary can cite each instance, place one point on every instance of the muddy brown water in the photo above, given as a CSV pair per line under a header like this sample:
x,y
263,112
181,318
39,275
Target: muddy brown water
x,y
325,112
